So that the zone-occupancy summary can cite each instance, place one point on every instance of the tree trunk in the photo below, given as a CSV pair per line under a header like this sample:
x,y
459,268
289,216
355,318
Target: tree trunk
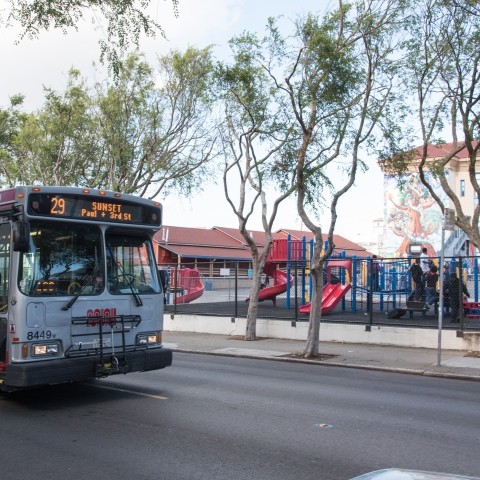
x,y
313,338
251,330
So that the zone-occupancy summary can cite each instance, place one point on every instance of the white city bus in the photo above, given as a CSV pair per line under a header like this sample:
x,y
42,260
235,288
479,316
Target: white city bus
x,y
80,294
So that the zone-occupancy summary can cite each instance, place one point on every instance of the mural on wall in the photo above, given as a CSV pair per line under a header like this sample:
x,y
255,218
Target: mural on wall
x,y
413,217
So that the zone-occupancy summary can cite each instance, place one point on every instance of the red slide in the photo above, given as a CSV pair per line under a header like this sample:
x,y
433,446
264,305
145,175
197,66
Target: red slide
x,y
279,286
332,294
189,282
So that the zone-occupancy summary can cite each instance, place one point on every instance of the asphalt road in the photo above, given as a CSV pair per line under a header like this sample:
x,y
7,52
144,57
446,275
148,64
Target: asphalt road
x,y
210,417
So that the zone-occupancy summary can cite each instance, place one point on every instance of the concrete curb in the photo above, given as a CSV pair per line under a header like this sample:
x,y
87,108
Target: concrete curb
x,y
409,371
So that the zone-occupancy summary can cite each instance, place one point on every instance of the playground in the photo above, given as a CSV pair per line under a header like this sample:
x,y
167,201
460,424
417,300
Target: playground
x,y
359,289
185,285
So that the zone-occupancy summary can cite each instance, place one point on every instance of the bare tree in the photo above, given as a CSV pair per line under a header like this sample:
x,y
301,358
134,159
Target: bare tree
x,y
350,96
339,82
336,76
443,68
157,124
255,135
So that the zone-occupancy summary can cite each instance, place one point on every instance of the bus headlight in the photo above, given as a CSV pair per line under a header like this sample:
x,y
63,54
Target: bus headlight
x,y
150,338
45,349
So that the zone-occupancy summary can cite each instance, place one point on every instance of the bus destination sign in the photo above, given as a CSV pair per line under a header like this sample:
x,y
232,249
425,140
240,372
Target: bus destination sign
x,y
82,207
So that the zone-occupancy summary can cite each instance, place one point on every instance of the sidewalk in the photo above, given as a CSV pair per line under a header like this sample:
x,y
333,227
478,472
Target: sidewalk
x,y
418,361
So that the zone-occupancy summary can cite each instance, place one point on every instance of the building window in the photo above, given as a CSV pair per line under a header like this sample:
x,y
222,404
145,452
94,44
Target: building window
x,y
462,188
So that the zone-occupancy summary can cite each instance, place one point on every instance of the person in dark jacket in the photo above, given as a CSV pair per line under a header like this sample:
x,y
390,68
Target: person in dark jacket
x,y
418,279
375,273
431,280
454,289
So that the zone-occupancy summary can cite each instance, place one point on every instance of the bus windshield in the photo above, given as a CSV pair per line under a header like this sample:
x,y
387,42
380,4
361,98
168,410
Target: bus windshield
x,y
131,266
61,259
67,259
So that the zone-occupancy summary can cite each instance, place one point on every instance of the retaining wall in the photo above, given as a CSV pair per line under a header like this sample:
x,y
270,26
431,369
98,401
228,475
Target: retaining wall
x,y
329,332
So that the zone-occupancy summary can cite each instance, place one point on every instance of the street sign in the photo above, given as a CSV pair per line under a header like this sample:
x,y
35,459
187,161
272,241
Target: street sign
x,y
449,219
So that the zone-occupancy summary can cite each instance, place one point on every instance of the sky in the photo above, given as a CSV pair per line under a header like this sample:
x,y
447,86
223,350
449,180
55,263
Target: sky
x,y
29,65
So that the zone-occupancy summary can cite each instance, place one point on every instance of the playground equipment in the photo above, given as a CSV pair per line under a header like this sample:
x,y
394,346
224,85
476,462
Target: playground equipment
x,y
471,309
188,282
294,254
280,283
333,292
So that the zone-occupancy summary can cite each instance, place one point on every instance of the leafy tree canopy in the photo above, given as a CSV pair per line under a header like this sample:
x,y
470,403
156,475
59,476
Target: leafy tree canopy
x,y
149,131
123,21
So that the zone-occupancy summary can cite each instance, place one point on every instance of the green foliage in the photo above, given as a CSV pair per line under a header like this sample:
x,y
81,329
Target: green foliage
x,y
48,144
330,67
308,100
303,108
245,82
11,121
147,132
441,66
126,21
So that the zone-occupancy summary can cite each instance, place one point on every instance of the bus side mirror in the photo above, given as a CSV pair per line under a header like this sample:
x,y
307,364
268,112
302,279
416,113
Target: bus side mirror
x,y
21,236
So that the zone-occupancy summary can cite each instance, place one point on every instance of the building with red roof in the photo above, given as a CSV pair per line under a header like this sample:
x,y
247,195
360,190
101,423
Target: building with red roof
x,y
212,249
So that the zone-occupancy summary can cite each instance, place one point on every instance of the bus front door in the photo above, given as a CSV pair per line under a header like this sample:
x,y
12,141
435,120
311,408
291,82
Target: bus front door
x,y
3,343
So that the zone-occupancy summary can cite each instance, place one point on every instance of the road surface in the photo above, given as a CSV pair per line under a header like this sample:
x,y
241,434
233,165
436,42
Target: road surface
x,y
211,417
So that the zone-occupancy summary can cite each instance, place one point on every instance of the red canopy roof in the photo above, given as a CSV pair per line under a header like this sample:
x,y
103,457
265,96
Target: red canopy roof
x,y
228,243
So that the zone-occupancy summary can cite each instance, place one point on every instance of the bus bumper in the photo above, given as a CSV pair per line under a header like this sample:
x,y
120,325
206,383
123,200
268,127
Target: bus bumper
x,y
49,372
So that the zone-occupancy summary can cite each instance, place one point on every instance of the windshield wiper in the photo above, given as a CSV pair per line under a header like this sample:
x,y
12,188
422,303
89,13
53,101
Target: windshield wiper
x,y
126,276
136,296
88,278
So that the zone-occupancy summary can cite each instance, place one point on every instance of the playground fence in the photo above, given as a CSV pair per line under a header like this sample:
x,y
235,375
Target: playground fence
x,y
378,294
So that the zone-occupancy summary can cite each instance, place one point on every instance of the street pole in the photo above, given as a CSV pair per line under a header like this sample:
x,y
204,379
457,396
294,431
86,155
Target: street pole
x,y
448,224
440,299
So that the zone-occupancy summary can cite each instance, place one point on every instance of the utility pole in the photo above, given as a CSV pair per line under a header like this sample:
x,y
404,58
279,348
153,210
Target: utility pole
x,y
448,224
